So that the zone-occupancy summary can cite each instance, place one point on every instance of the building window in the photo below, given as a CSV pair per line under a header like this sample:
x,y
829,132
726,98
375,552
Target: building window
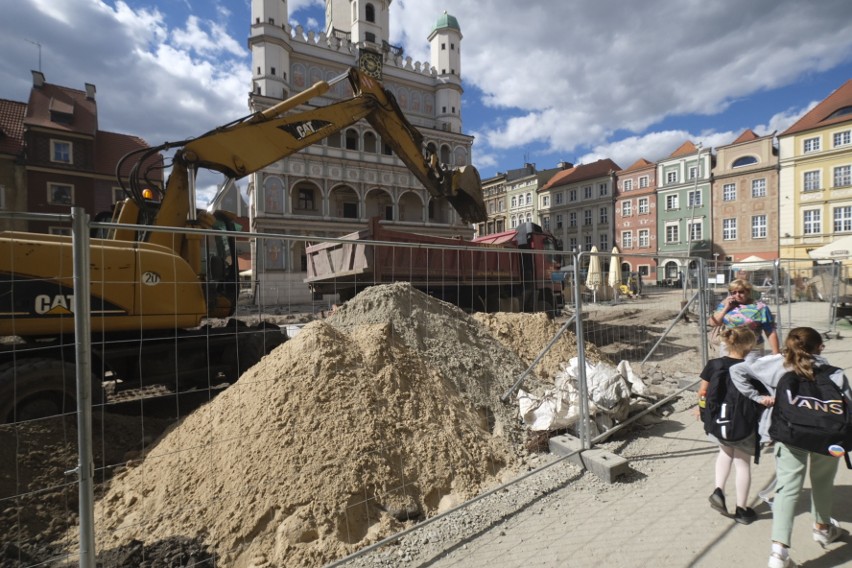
x,y
117,194
572,195
306,200
694,198
587,217
758,187
628,185
572,244
588,240
604,216
842,176
545,201
672,234
643,181
758,227
729,192
572,219
693,172
811,145
626,208
559,221
644,238
644,205
529,199
514,201
60,151
559,198
842,138
744,161
604,240
627,239
501,206
671,177
60,194
371,13
603,189
812,181
812,221
545,223
351,140
696,230
843,219
729,229
587,192
671,202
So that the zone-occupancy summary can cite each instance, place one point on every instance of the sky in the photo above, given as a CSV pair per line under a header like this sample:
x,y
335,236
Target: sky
x,y
545,81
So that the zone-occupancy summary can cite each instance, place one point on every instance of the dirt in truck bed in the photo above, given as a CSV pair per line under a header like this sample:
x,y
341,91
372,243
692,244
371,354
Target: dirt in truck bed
x,y
383,414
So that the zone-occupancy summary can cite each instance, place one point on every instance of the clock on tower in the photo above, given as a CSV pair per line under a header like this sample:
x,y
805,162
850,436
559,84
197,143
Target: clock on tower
x,y
370,63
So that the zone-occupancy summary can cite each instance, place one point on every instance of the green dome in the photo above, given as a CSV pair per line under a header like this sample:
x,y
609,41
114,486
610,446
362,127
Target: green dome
x,y
446,21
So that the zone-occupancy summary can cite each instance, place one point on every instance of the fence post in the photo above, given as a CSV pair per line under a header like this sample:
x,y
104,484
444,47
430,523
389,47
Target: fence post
x,y
82,332
583,429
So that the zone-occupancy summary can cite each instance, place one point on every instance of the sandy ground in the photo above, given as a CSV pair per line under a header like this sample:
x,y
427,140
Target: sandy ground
x,y
270,526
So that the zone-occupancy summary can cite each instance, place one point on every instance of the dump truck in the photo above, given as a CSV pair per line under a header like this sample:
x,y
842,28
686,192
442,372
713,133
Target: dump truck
x,y
511,271
159,293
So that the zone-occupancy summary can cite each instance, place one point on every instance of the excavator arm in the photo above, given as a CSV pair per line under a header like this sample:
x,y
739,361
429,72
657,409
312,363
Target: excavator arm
x,y
263,138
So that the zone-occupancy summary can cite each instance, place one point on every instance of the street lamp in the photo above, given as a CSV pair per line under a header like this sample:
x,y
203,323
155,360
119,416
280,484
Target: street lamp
x,y
691,218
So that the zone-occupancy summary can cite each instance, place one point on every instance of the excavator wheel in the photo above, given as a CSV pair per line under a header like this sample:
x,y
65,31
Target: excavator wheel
x,y
39,388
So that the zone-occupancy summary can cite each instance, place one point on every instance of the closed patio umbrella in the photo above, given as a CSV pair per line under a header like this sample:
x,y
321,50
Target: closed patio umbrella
x,y
594,276
614,277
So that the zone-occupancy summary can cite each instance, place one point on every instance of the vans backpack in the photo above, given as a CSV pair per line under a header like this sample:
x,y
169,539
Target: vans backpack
x,y
812,415
728,414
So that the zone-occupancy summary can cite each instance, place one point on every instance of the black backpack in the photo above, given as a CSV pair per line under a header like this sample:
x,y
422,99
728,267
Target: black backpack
x,y
729,415
812,415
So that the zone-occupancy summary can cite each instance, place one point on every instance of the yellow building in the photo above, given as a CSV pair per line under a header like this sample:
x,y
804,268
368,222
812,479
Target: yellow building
x,y
815,177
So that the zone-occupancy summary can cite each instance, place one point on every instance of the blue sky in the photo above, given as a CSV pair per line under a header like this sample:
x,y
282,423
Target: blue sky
x,y
544,80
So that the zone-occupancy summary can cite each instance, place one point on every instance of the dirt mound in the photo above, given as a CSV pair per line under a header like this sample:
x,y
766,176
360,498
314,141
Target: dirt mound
x,y
386,412
528,334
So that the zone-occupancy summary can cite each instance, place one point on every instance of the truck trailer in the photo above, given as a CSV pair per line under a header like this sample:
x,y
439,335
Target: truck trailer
x,y
511,271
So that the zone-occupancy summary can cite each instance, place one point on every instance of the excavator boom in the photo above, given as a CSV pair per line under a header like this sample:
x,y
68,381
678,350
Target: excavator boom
x,y
266,137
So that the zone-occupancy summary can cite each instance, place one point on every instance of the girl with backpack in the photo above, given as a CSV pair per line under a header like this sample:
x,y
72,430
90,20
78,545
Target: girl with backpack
x,y
809,421
731,420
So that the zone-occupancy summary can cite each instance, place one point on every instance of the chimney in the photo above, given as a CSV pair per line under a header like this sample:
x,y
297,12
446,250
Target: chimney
x,y
90,91
565,165
38,78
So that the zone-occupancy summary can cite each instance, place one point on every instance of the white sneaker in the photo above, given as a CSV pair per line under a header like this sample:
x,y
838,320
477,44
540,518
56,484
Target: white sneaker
x,y
775,561
829,535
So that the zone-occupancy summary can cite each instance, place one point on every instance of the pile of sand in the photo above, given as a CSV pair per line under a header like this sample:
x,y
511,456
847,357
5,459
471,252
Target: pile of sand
x,y
386,412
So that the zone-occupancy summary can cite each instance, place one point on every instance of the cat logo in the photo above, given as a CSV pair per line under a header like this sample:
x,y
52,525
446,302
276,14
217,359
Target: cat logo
x,y
53,305
305,128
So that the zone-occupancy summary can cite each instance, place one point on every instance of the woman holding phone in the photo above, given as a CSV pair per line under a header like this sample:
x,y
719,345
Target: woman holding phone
x,y
739,309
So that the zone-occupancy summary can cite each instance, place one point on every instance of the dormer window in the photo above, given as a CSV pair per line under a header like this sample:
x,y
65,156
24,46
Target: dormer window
x,y
61,151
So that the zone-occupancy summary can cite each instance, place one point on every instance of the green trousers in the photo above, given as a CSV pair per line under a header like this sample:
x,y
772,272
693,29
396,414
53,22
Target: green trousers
x,y
790,466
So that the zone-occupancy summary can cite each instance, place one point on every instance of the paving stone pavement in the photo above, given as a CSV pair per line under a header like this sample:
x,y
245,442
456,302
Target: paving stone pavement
x,y
662,518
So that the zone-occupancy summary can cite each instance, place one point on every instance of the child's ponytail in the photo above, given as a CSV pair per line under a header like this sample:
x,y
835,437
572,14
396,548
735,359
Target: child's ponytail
x,y
801,345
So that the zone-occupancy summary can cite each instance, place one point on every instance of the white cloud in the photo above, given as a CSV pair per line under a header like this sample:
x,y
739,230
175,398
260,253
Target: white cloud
x,y
573,74
781,121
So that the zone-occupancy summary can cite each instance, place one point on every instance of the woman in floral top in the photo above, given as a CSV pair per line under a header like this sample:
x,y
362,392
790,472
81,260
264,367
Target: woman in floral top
x,y
740,310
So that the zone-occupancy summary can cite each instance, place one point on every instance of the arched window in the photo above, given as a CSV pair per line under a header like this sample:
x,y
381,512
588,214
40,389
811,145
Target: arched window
x,y
370,143
351,139
445,154
744,161
371,13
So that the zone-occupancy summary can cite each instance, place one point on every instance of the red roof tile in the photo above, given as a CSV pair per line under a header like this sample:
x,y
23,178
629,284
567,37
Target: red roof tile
x,y
12,127
583,172
747,136
49,100
638,165
819,115
684,149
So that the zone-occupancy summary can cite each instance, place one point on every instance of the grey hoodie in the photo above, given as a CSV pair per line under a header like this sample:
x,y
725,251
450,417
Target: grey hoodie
x,y
769,370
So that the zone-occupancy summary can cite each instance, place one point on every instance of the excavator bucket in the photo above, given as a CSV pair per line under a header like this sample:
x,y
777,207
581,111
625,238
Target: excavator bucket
x,y
466,195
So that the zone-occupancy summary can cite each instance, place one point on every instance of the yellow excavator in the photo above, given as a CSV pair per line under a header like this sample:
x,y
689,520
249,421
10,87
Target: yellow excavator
x,y
154,284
